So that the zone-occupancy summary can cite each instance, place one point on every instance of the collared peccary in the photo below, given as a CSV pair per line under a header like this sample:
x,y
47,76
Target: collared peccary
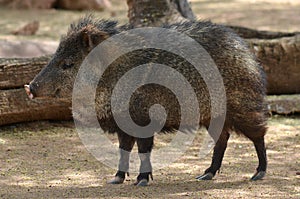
x,y
243,78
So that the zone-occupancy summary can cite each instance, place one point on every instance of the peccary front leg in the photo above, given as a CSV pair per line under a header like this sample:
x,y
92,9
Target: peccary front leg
x,y
217,158
145,146
126,143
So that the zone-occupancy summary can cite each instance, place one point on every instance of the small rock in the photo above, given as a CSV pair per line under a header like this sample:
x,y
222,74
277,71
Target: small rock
x,y
29,29
28,4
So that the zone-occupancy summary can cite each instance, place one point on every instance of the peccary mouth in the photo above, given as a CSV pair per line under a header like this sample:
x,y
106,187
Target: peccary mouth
x,y
28,92
31,94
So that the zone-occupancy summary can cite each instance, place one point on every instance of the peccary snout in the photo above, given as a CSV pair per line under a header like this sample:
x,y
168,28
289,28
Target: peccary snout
x,y
57,78
33,90
29,91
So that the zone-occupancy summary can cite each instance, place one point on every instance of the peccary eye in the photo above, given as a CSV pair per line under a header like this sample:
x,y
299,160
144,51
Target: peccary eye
x,y
67,65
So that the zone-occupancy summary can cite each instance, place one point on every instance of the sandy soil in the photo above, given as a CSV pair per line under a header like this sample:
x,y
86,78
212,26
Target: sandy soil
x,y
48,160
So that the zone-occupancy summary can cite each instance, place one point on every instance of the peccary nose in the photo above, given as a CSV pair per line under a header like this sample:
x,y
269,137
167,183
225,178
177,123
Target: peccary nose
x,y
28,90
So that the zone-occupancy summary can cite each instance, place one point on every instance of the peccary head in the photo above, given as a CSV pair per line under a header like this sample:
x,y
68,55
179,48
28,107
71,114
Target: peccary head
x,y
57,78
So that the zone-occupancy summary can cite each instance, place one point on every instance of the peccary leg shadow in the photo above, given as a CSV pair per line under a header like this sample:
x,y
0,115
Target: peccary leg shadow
x,y
126,143
217,158
145,146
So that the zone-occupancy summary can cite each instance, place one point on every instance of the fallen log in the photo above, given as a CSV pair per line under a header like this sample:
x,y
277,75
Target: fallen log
x,y
15,106
280,58
284,104
248,33
15,72
279,53
281,61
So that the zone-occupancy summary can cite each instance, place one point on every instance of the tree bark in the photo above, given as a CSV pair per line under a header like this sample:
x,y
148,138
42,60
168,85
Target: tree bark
x,y
281,61
158,12
15,72
248,33
279,54
15,106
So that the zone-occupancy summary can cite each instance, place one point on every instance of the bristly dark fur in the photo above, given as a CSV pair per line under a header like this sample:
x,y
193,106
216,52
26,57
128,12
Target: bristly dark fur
x,y
243,78
108,25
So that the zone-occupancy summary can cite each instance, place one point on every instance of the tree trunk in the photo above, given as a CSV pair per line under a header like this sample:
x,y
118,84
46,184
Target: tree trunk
x,y
146,13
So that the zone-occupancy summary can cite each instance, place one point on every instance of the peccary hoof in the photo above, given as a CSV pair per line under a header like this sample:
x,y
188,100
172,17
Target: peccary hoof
x,y
141,183
116,180
258,175
206,176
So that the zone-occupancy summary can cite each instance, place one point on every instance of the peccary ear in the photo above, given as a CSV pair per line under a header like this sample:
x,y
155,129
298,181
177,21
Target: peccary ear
x,y
92,38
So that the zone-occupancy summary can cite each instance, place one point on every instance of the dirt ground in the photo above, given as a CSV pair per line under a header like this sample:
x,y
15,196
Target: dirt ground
x,y
275,15
48,160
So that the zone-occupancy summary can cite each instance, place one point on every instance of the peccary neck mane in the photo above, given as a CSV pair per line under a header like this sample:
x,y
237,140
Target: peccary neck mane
x,y
107,26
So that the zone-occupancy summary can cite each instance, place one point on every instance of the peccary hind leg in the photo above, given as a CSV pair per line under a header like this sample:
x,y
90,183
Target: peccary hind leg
x,y
258,140
217,158
256,134
260,148
126,143
145,146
